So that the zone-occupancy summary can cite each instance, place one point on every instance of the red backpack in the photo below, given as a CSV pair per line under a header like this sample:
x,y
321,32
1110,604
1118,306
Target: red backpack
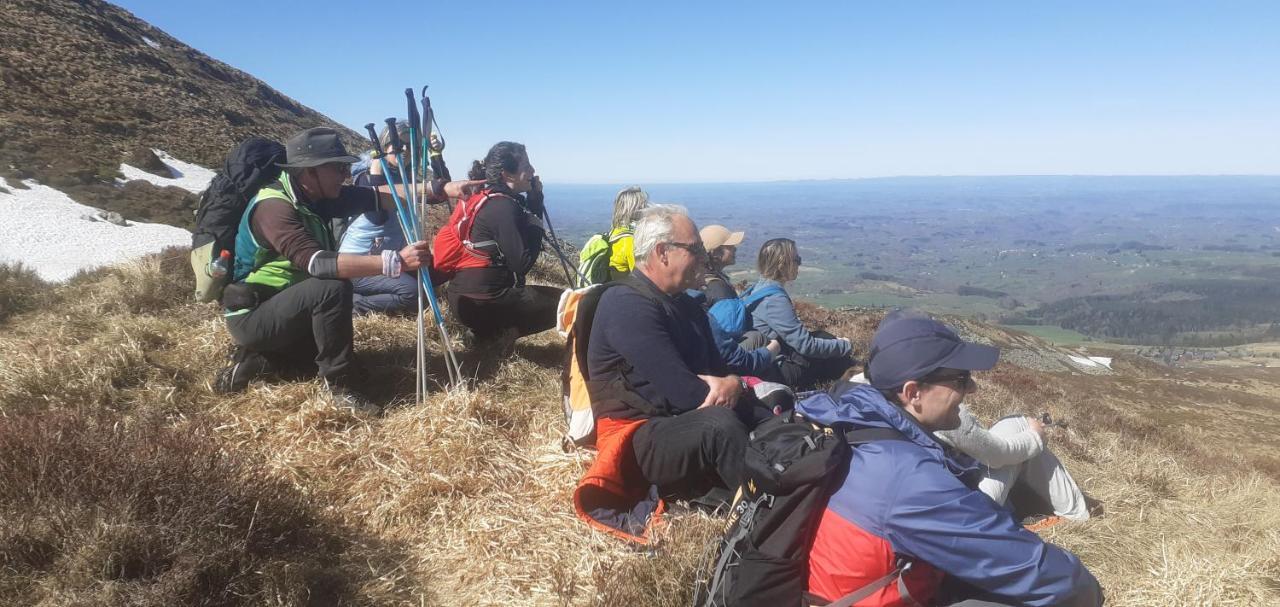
x,y
452,248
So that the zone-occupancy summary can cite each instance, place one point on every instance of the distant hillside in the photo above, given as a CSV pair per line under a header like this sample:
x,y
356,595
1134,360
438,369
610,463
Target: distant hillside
x,y
86,86
125,481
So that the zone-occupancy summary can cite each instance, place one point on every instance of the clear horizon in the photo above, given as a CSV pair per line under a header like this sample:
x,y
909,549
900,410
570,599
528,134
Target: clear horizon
x,y
756,92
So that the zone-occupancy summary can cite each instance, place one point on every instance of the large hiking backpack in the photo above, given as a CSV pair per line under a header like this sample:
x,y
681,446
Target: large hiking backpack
x,y
453,248
248,167
792,467
593,260
733,314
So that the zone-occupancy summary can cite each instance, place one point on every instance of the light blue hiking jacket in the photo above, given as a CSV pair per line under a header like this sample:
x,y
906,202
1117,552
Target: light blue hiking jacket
x,y
775,316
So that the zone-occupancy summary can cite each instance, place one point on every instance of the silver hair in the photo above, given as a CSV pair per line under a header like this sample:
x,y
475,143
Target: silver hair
x,y
627,206
655,224
384,137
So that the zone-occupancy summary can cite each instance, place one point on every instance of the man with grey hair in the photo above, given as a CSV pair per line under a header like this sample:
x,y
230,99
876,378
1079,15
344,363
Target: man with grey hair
x,y
655,374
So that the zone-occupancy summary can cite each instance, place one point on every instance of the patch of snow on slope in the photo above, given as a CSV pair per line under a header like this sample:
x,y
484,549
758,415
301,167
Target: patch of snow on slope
x,y
1082,361
190,177
56,236
149,42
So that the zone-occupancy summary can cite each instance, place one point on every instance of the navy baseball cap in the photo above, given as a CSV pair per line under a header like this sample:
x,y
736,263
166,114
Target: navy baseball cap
x,y
909,345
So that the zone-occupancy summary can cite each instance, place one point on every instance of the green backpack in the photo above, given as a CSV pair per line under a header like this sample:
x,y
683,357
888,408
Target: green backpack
x,y
593,260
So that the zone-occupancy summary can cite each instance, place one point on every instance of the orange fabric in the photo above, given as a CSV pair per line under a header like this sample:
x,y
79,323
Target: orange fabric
x,y
614,478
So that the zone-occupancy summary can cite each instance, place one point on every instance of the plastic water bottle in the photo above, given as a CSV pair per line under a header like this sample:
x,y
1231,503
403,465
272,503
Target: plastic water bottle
x,y
219,267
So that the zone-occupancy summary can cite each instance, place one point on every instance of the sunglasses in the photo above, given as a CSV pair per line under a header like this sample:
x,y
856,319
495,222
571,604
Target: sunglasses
x,y
959,378
694,248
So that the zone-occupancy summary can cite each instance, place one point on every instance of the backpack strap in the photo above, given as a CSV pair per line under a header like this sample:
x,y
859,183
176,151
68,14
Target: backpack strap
x,y
863,436
898,573
753,296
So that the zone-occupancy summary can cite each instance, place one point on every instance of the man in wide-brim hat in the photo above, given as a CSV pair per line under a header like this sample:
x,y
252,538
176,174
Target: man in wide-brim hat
x,y
290,296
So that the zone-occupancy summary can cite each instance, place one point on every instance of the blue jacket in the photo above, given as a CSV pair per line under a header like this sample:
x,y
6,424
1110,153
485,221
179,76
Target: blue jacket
x,y
741,361
775,316
376,231
912,499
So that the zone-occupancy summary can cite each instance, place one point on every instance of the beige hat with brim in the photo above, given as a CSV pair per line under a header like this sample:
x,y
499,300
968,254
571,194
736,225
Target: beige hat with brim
x,y
714,236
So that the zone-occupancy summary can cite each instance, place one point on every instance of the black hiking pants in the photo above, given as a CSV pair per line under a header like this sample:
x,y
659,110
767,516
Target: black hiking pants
x,y
309,319
803,373
689,454
526,310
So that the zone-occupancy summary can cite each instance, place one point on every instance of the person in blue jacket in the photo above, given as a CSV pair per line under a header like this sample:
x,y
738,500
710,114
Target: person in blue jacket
x,y
377,231
908,509
808,357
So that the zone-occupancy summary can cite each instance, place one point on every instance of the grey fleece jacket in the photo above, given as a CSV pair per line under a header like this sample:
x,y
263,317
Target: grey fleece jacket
x,y
991,449
775,316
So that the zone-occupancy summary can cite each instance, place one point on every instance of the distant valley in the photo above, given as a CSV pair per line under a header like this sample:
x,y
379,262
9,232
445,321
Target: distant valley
x,y
1185,261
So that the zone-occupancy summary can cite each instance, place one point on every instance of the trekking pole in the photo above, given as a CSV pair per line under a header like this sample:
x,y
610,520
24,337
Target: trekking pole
x,y
411,232
455,371
433,157
424,274
413,175
555,245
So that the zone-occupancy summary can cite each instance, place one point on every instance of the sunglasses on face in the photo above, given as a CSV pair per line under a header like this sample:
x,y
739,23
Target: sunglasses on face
x,y
694,248
959,379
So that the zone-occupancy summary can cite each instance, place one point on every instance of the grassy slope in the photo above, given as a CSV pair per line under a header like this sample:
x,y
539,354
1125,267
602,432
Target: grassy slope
x,y
124,480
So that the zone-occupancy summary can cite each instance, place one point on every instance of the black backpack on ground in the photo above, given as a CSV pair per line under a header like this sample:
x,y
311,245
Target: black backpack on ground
x,y
249,166
792,468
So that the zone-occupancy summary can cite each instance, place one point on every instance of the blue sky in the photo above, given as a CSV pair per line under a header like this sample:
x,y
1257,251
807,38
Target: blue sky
x,y
647,92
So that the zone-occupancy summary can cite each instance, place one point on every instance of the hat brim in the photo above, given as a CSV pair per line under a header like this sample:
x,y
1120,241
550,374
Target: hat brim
x,y
315,162
734,239
971,357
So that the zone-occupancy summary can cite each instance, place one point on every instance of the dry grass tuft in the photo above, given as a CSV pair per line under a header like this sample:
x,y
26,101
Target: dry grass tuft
x,y
124,480
99,511
21,290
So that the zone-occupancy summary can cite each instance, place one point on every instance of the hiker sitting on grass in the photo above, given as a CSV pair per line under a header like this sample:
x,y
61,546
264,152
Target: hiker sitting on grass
x,y
910,507
488,264
290,297
379,230
1016,459
808,357
745,350
659,387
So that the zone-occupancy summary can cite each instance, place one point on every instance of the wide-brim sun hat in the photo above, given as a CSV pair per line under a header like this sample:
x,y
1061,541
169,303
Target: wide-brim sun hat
x,y
909,345
314,147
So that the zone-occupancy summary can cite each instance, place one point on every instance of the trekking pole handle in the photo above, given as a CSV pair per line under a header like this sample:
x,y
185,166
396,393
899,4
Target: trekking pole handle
x,y
395,136
373,140
414,118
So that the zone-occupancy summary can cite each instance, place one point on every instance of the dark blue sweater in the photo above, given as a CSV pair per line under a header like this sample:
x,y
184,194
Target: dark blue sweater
x,y
657,344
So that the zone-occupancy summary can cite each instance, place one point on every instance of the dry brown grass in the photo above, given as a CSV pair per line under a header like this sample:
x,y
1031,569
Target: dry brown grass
x,y
106,413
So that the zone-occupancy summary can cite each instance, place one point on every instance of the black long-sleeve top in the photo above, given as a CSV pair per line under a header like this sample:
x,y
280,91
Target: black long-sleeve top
x,y
518,234
657,343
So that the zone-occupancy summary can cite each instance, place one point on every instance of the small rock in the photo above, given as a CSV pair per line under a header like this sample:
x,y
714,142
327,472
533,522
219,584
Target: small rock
x,y
145,159
113,218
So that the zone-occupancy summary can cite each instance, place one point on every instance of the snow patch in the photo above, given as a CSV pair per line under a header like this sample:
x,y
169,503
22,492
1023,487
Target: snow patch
x,y
149,42
190,177
56,236
1090,362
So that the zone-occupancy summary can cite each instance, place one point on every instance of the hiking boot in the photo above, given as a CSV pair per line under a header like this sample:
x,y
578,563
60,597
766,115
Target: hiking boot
x,y
245,366
344,396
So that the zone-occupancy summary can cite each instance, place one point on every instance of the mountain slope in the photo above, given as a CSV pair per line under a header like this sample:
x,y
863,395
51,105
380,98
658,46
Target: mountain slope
x,y
105,406
86,86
